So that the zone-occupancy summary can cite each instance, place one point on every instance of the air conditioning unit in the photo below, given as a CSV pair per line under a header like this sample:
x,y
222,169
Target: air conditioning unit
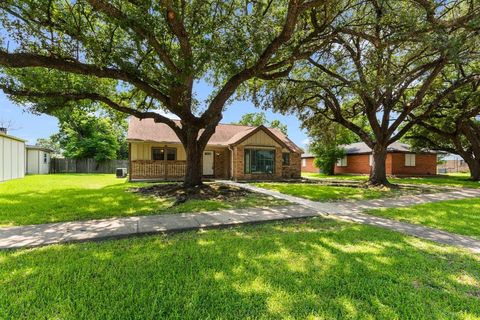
x,y
121,172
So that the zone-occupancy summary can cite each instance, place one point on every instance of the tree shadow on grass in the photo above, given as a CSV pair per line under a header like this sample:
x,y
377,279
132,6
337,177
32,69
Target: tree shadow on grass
x,y
69,204
280,270
457,216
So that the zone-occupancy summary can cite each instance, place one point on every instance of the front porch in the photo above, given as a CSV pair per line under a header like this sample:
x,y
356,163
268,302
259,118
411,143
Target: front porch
x,y
157,170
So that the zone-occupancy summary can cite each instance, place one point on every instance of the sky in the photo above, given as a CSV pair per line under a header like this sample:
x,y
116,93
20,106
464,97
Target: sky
x,y
31,127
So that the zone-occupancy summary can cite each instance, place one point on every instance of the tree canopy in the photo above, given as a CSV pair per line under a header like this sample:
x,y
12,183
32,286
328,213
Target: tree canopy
x,y
258,119
454,126
140,56
382,60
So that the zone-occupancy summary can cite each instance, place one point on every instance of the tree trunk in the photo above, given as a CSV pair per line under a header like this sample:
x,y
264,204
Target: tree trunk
x,y
474,166
378,173
193,172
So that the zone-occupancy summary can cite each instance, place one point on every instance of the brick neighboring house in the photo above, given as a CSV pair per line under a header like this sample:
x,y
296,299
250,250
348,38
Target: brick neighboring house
x,y
400,160
307,163
233,152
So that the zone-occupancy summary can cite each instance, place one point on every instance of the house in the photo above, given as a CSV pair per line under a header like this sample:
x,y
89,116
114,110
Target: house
x,y
401,161
233,152
12,157
38,160
307,163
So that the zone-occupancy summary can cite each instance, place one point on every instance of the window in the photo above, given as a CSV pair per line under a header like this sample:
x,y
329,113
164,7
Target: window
x,y
159,153
45,158
342,162
259,161
370,160
304,162
410,160
171,154
285,159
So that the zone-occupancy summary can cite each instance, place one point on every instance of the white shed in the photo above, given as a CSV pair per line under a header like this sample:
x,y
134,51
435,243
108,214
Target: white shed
x,y
12,157
38,160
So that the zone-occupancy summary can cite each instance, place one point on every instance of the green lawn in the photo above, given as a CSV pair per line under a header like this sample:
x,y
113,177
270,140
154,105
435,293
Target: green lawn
x,y
335,177
66,197
318,192
451,180
457,216
317,269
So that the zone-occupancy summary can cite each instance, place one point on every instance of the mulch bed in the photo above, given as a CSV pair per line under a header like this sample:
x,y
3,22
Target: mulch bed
x,y
210,191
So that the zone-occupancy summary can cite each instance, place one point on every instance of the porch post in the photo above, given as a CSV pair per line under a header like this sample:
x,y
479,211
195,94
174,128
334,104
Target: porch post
x,y
165,161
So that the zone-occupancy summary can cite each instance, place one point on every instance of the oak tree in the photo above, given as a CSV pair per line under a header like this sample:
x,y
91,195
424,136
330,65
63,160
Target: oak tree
x,y
142,56
381,62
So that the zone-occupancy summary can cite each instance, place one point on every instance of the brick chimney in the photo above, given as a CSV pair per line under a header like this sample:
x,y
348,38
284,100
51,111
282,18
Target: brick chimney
x,y
3,130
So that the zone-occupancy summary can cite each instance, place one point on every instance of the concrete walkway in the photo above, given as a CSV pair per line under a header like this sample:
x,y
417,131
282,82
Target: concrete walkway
x,y
352,211
44,234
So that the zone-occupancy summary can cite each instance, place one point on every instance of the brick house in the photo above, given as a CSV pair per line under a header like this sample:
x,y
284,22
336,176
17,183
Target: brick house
x,y
401,161
307,163
233,152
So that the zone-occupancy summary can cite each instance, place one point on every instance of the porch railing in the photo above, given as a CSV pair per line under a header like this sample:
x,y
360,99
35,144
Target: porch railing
x,y
158,169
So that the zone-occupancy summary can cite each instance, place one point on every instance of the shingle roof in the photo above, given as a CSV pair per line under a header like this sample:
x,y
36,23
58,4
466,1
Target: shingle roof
x,y
225,134
361,147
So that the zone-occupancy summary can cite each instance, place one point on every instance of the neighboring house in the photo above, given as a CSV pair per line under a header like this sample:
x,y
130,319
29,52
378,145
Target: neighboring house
x,y
38,160
400,160
307,163
12,157
233,152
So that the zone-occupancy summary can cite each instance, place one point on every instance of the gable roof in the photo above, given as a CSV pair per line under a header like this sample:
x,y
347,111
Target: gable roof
x,y
362,148
225,134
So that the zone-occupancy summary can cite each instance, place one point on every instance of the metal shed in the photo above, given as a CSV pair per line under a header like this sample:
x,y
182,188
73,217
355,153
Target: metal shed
x,y
12,157
38,160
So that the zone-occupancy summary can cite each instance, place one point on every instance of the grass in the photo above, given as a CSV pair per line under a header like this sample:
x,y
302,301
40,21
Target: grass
x,y
317,192
350,177
66,197
450,180
457,216
318,269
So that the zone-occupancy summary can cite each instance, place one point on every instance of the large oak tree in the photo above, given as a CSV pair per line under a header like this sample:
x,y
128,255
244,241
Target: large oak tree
x,y
454,126
382,61
138,56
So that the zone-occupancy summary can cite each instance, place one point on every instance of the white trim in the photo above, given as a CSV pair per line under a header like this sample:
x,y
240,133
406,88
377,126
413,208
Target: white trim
x,y
342,162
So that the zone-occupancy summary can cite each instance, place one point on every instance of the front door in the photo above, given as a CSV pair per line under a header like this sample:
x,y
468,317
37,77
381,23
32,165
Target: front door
x,y
208,163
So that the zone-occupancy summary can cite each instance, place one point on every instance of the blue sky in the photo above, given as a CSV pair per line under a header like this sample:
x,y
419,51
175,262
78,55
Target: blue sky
x,y
31,127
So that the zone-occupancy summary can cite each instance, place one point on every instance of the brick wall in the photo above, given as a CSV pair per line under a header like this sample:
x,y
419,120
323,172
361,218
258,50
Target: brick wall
x,y
358,164
221,163
293,170
425,164
309,166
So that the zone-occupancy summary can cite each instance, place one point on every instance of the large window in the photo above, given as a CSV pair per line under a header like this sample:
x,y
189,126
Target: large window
x,y
409,160
161,153
259,161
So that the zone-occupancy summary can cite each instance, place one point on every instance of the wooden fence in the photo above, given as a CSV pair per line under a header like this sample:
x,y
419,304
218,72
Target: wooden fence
x,y
86,166
155,169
